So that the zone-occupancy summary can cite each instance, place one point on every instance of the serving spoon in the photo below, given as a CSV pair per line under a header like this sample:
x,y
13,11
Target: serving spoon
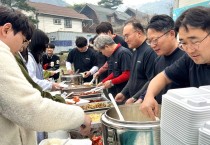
x,y
116,107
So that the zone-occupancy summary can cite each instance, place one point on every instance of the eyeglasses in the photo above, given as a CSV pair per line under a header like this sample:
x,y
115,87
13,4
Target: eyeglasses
x,y
26,42
155,41
193,45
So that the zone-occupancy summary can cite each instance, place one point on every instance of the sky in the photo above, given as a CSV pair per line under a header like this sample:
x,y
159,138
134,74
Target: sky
x,y
125,2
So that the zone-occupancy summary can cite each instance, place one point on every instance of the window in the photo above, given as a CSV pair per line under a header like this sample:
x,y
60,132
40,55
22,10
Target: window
x,y
52,38
112,19
68,23
57,21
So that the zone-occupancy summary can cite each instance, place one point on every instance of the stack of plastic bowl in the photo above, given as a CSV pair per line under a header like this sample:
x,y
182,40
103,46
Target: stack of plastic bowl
x,y
204,134
183,112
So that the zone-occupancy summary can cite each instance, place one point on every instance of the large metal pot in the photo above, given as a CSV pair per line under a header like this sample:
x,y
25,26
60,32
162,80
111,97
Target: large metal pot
x,y
75,79
137,129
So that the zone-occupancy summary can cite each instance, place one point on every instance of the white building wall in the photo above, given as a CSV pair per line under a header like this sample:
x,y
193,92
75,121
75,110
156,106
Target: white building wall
x,y
46,24
61,36
183,3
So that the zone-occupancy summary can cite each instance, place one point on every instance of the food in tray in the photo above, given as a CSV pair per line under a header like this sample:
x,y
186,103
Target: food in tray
x,y
89,93
95,117
97,140
87,84
97,105
76,99
73,86
97,100
81,94
81,102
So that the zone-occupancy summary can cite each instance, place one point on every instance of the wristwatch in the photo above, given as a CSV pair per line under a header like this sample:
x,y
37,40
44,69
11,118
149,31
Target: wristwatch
x,y
111,83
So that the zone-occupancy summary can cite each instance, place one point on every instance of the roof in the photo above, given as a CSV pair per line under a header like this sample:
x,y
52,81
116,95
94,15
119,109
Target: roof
x,y
101,12
121,15
136,12
49,9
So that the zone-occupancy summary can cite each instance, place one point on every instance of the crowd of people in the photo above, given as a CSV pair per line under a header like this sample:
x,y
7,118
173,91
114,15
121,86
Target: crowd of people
x,y
24,110
136,68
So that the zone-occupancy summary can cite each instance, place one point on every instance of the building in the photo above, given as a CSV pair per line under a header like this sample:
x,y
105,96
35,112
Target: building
x,y
53,18
65,40
143,17
182,5
97,14
118,18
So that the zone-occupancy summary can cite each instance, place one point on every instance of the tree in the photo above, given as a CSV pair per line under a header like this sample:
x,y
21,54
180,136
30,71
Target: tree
x,y
112,4
20,4
78,7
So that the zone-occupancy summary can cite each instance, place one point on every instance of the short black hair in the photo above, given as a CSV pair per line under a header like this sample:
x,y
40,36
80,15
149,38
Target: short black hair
x,y
20,23
198,17
104,27
81,42
161,23
50,45
136,24
91,40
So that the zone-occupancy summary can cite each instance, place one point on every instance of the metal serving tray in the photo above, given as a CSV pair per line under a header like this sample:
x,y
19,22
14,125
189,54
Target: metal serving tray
x,y
87,96
95,123
97,106
97,99
77,88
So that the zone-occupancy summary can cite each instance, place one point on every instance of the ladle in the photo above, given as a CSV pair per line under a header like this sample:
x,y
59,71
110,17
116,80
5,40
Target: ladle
x,y
91,82
116,107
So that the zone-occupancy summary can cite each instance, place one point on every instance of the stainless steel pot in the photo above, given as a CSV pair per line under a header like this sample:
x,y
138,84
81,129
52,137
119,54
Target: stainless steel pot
x,y
75,79
137,129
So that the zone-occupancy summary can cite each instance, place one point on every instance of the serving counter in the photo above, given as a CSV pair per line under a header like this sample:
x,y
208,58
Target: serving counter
x,y
97,103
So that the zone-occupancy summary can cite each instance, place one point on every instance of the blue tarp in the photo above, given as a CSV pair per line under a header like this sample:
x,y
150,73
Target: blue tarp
x,y
177,12
62,43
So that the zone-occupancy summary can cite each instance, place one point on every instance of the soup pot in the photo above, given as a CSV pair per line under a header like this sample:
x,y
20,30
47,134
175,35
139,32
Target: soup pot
x,y
75,79
137,129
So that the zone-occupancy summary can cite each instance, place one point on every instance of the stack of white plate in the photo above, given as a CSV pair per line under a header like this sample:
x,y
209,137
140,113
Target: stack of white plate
x,y
204,134
206,88
183,112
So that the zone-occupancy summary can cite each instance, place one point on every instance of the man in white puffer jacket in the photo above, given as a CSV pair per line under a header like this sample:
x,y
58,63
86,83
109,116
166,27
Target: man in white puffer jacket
x,y
23,111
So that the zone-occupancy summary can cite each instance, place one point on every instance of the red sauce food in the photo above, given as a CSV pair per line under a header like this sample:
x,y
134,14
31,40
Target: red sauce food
x,y
76,99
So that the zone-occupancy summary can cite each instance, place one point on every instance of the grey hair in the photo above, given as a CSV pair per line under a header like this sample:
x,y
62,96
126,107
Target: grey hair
x,y
102,40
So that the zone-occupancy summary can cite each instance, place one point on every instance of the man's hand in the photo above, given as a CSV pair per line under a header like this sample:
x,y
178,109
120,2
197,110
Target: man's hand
x,y
139,101
108,84
87,74
55,86
119,97
86,126
130,100
96,75
149,107
100,84
71,72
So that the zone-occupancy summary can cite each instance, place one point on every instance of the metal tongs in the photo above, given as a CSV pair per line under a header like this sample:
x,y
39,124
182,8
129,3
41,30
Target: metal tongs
x,y
65,95
95,89
76,72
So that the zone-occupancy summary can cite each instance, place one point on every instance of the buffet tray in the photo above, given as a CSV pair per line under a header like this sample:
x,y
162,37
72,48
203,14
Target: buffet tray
x,y
96,127
97,106
97,99
77,88
99,94
96,122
